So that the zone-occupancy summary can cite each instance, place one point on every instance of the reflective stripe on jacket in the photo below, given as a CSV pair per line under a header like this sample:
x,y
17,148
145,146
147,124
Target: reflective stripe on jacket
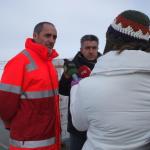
x,y
32,144
29,99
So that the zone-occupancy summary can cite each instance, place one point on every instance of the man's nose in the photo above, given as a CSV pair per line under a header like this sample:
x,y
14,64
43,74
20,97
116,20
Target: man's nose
x,y
52,39
91,49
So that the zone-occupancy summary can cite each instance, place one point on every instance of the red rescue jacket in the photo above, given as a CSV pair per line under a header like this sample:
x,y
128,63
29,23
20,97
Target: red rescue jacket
x,y
29,101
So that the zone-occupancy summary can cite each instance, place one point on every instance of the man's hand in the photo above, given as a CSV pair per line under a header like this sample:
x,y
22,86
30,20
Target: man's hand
x,y
69,68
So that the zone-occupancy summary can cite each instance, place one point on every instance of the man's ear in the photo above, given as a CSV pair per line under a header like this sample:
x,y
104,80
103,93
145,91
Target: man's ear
x,y
34,36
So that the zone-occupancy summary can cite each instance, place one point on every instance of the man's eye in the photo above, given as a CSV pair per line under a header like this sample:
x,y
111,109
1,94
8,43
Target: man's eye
x,y
94,47
47,35
50,35
91,47
54,37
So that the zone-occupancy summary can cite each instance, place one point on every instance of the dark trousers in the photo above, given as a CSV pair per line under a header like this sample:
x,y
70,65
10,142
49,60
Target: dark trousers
x,y
77,141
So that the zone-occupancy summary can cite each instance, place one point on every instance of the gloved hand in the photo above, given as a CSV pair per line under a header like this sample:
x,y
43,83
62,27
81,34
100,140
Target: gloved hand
x,y
74,82
69,68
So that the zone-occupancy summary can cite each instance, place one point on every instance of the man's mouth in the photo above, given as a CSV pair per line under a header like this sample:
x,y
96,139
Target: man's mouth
x,y
50,46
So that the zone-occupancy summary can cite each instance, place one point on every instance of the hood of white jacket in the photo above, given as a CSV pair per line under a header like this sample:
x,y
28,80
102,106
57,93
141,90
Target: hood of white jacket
x,y
129,61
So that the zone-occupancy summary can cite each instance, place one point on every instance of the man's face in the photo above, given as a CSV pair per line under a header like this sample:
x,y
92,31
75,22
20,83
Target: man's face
x,y
89,50
46,37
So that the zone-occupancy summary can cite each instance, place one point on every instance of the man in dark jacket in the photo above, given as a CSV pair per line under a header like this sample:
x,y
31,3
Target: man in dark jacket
x,y
87,56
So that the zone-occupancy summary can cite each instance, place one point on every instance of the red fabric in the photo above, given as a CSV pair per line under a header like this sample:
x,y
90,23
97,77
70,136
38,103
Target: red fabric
x,y
31,119
40,49
9,102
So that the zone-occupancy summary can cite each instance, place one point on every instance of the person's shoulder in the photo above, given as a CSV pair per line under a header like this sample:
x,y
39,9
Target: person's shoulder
x,y
18,59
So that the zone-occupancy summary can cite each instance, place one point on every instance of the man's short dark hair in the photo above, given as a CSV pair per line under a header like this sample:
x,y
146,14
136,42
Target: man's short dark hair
x,y
39,26
89,37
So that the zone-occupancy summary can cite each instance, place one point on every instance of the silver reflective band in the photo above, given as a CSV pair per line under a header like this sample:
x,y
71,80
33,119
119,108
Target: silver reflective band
x,y
10,88
32,65
32,144
39,94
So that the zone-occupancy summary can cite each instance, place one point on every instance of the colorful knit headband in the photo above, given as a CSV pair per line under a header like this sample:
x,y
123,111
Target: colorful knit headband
x,y
133,23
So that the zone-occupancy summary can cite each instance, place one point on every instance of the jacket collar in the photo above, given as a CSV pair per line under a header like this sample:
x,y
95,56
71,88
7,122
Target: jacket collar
x,y
79,59
40,49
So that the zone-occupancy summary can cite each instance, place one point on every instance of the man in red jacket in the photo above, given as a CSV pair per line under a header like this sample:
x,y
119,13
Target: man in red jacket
x,y
29,102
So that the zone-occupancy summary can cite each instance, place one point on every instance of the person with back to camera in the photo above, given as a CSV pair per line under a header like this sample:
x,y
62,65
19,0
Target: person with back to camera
x,y
87,56
113,104
29,102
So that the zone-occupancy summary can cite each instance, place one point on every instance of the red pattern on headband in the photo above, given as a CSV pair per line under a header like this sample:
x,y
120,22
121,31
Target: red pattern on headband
x,y
135,26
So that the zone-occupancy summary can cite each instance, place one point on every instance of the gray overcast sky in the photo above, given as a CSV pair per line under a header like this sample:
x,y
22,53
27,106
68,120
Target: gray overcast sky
x,y
72,18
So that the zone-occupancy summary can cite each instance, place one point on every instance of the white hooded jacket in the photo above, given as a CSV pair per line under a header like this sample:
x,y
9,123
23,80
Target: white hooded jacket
x,y
113,104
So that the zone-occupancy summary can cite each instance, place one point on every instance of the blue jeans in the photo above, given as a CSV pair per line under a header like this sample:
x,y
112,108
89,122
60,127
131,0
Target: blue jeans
x,y
77,141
